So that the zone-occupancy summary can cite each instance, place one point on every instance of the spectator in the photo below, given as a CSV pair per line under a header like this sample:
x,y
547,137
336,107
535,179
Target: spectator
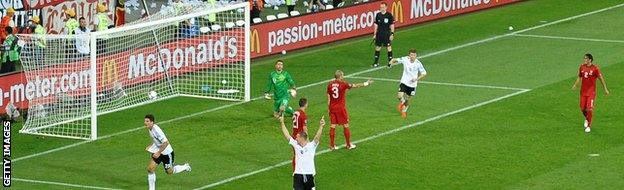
x,y
7,21
316,5
82,37
102,21
40,41
71,24
212,18
256,8
290,4
10,52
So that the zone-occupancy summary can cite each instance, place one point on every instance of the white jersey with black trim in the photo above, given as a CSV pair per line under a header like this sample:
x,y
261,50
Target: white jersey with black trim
x,y
158,138
411,70
304,157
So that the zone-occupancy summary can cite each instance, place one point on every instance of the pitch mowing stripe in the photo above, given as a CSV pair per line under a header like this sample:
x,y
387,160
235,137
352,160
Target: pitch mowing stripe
x,y
569,38
325,81
441,116
447,84
62,184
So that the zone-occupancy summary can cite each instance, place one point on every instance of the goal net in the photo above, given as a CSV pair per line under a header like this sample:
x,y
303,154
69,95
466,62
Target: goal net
x,y
193,49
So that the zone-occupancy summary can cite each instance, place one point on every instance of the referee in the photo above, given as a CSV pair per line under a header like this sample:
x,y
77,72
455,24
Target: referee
x,y
384,32
303,177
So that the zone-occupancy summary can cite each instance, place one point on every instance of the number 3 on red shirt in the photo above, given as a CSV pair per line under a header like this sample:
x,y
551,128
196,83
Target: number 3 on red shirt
x,y
335,94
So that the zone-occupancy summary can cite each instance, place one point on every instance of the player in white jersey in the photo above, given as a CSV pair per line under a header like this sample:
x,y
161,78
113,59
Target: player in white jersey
x,y
161,151
413,71
303,176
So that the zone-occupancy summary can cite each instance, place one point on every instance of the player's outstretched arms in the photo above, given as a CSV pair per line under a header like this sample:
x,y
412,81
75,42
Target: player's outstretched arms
x,y
358,85
317,137
576,83
284,130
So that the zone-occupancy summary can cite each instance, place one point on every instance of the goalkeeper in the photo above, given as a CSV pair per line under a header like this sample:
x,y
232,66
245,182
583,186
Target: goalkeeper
x,y
281,83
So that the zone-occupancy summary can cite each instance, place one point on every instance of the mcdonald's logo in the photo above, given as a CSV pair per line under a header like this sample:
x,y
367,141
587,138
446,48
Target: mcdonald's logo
x,y
109,72
397,11
255,41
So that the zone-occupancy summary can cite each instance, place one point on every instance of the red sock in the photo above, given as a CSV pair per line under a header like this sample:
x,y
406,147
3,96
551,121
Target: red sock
x,y
589,116
332,134
347,134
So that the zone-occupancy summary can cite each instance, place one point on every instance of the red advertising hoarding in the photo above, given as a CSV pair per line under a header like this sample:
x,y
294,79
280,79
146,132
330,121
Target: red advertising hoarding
x,y
329,26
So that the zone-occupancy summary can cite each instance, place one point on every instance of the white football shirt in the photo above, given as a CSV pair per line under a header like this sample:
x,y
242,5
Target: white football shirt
x,y
411,70
158,138
304,157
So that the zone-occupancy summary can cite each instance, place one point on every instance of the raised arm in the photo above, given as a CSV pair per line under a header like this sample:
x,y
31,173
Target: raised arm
x,y
284,130
317,137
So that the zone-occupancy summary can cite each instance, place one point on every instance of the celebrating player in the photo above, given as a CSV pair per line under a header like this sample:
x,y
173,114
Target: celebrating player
x,y
413,71
161,152
300,122
336,91
303,176
281,83
383,33
588,73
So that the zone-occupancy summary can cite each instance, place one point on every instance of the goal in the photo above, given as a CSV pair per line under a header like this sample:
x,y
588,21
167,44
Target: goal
x,y
197,50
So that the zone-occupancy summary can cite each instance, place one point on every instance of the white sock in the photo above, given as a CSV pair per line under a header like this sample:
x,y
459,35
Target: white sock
x,y
179,168
151,181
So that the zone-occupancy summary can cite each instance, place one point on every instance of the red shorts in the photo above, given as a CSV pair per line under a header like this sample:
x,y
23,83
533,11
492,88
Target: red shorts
x,y
587,102
339,116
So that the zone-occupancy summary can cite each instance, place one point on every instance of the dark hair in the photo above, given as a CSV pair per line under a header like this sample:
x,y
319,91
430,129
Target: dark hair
x,y
412,51
303,102
150,117
303,134
279,61
589,56
8,29
384,3
81,18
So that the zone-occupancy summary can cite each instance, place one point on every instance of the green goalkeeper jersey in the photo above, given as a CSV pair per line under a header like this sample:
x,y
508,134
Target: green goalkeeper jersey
x,y
279,83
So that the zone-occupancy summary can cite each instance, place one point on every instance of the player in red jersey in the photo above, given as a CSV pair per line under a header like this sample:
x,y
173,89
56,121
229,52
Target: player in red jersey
x,y
588,73
336,91
300,122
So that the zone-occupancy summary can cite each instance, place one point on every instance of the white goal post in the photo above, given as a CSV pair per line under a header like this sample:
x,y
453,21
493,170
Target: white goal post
x,y
196,49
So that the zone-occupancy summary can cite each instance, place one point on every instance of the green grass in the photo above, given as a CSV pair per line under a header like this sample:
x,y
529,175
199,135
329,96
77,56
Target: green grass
x,y
533,140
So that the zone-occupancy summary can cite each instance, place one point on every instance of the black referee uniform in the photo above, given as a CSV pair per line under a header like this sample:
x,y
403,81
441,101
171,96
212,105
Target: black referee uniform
x,y
383,21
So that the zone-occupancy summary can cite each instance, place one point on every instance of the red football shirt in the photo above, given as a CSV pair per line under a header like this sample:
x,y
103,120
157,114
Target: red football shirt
x,y
336,90
300,122
588,75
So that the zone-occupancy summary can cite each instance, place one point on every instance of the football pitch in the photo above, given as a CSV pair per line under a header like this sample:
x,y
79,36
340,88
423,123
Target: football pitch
x,y
496,111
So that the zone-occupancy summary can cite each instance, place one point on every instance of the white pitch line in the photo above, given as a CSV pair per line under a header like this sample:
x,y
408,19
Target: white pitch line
x,y
367,138
569,38
447,84
354,74
62,184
